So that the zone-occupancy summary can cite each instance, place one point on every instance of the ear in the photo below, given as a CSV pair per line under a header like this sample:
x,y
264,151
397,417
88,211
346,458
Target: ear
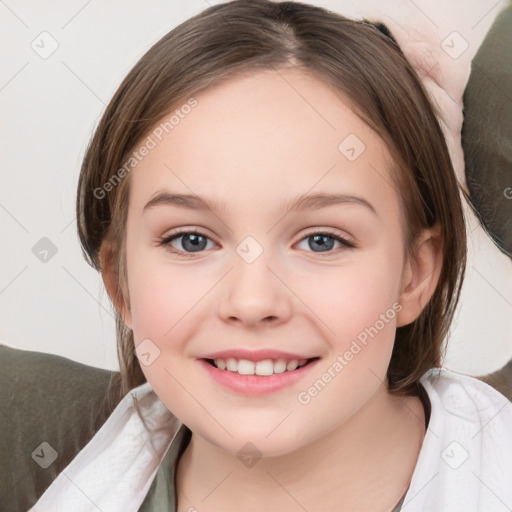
x,y
112,283
420,276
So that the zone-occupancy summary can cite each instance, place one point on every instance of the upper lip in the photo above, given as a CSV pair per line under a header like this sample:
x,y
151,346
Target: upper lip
x,y
254,355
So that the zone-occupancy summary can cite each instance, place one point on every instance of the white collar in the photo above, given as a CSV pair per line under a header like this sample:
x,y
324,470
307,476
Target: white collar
x,y
114,471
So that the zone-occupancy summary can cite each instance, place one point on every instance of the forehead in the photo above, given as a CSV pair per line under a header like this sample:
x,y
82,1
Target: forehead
x,y
274,133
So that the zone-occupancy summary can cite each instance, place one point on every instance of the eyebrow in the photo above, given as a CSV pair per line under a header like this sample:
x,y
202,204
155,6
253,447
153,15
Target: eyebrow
x,y
296,204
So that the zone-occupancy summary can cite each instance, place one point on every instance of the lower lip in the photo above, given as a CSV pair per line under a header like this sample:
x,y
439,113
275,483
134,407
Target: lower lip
x,y
256,385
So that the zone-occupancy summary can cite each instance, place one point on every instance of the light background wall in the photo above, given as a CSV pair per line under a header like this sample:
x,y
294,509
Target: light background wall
x,y
50,107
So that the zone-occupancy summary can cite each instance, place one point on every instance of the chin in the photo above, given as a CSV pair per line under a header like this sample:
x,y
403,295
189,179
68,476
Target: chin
x,y
256,442
244,448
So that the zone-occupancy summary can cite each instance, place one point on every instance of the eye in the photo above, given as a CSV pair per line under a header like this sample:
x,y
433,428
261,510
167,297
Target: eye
x,y
192,241
195,242
324,241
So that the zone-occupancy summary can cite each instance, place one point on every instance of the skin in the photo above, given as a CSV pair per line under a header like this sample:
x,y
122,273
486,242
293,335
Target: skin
x,y
257,141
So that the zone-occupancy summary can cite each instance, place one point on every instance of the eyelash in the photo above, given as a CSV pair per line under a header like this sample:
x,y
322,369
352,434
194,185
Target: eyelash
x,y
165,241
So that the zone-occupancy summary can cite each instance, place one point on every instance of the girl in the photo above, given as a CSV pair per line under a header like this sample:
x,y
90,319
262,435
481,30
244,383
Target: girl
x,y
270,201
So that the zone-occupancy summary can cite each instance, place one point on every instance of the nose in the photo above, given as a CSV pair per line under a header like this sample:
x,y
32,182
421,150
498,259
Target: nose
x,y
254,294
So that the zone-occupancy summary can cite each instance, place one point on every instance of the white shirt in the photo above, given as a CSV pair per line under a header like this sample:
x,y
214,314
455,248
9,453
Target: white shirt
x,y
465,463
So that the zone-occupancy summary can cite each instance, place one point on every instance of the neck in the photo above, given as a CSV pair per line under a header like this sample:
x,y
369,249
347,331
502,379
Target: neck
x,y
366,464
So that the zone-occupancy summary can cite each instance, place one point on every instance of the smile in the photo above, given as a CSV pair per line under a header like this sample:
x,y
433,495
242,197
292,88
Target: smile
x,y
264,367
257,378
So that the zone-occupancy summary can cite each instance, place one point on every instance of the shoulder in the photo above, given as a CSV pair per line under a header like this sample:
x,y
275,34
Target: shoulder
x,y
472,413
465,395
50,408
467,449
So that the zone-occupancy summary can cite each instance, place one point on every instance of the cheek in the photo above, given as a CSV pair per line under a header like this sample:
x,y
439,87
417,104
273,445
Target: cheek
x,y
159,299
357,308
349,299
162,300
358,319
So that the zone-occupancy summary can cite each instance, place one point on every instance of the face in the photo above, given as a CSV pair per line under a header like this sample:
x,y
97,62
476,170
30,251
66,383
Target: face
x,y
322,281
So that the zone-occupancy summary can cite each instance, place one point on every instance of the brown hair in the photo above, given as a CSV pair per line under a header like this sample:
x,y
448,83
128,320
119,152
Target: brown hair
x,y
357,60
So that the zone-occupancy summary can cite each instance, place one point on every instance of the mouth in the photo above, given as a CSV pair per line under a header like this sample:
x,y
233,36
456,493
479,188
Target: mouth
x,y
261,377
265,367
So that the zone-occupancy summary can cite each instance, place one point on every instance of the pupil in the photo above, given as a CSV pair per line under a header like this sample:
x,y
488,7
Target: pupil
x,y
194,241
323,246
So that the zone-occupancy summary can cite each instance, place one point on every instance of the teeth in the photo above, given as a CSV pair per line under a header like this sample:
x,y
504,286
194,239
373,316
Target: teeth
x,y
280,366
265,367
231,365
292,365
